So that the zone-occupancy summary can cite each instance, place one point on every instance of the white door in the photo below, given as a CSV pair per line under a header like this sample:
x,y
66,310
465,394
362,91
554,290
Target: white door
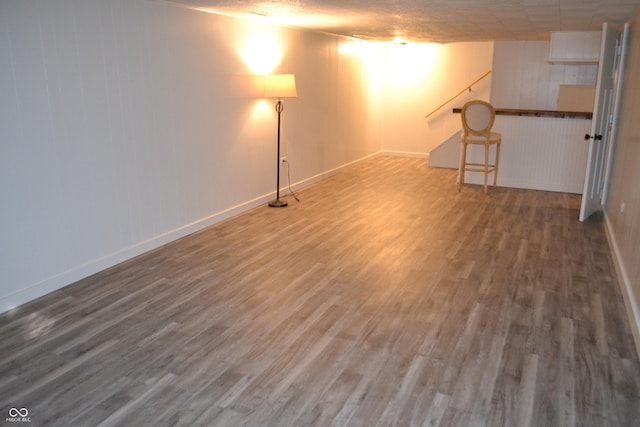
x,y
600,122
617,98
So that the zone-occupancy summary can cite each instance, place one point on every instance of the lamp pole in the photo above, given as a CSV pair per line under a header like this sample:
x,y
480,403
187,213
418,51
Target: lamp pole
x,y
277,203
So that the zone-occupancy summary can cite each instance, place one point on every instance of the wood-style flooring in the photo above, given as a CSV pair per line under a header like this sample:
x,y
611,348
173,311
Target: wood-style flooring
x,y
384,297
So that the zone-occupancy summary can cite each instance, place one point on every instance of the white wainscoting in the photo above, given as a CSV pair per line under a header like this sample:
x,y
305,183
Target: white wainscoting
x,y
538,153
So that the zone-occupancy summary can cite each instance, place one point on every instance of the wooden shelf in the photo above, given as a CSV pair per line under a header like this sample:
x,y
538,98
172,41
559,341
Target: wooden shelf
x,y
538,113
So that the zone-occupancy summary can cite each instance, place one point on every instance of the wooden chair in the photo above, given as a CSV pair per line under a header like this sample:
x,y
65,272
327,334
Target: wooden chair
x,y
477,120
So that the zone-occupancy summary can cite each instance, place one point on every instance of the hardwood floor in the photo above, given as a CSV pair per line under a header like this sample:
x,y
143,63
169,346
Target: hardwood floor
x,y
384,297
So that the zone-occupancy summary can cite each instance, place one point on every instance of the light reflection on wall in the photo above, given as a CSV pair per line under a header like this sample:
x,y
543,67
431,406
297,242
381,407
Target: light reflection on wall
x,y
372,55
395,63
407,64
264,107
258,42
260,123
262,52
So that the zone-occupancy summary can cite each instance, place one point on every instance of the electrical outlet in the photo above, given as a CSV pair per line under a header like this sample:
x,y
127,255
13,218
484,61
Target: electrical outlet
x,y
622,207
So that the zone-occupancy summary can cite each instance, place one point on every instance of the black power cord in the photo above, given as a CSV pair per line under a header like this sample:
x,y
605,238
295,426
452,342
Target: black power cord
x,y
289,179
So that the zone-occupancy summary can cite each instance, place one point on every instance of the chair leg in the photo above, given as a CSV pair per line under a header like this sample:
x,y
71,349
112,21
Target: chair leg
x,y
495,171
463,162
486,165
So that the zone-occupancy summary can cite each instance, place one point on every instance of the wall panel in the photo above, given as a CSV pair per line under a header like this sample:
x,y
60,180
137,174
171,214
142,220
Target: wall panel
x,y
538,153
523,77
121,130
622,207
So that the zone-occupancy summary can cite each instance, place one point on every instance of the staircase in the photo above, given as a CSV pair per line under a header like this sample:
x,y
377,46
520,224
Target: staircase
x,y
447,154
447,128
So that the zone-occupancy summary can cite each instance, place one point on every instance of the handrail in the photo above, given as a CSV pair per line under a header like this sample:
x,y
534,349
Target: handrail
x,y
467,87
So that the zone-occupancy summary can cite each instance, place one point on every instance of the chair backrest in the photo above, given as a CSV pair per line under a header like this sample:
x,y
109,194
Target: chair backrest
x,y
477,117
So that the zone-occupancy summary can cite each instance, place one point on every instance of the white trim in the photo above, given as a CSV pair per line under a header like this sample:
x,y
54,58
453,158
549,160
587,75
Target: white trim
x,y
633,311
326,174
50,284
404,154
70,276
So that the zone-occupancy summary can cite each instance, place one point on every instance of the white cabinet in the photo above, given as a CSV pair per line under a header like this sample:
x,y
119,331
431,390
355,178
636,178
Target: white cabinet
x,y
578,47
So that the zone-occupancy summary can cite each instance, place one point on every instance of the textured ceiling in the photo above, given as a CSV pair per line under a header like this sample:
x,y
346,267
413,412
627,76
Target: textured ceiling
x,y
439,21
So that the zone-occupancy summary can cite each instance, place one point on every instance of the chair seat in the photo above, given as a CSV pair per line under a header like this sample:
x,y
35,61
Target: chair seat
x,y
494,138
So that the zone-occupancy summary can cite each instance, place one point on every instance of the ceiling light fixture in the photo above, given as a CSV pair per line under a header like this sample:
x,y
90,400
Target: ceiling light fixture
x,y
400,40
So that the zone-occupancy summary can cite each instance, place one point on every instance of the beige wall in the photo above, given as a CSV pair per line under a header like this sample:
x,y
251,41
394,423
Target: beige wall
x,y
622,207
122,127
127,124
445,70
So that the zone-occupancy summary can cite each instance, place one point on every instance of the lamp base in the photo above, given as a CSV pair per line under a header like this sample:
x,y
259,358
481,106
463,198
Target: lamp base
x,y
277,203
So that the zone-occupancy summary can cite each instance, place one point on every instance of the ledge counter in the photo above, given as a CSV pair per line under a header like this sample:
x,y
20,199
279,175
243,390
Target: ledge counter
x,y
541,149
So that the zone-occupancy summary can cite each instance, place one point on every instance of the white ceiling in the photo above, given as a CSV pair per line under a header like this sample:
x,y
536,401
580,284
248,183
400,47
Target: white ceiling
x,y
440,21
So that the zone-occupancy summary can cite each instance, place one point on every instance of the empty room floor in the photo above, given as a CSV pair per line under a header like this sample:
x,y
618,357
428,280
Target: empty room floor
x,y
383,297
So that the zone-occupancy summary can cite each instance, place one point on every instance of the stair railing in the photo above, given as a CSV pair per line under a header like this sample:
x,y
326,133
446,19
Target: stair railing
x,y
467,87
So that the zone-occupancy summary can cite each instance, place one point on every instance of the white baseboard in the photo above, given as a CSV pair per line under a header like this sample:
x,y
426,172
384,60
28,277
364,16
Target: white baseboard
x,y
51,284
327,174
404,154
94,266
630,300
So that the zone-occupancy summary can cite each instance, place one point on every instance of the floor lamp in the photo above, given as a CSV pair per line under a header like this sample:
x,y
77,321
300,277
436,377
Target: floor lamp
x,y
279,86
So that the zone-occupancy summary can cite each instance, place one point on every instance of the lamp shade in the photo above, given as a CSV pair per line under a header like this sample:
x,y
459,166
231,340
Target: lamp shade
x,y
280,86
